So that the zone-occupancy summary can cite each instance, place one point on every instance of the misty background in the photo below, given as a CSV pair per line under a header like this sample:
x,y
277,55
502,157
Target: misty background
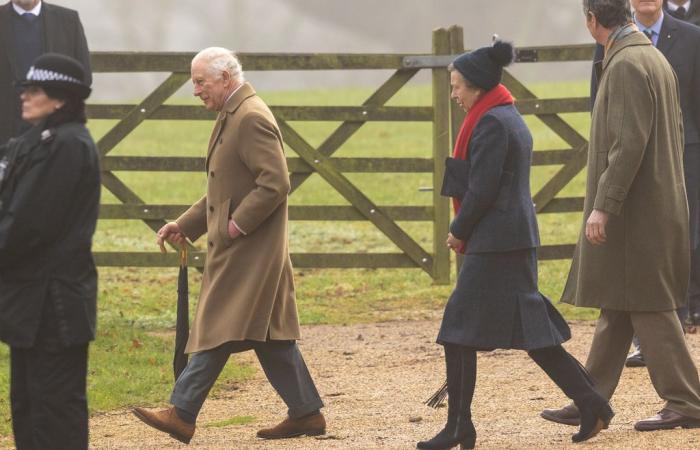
x,y
320,26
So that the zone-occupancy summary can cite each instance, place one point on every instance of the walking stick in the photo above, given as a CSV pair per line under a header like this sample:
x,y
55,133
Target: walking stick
x,y
182,325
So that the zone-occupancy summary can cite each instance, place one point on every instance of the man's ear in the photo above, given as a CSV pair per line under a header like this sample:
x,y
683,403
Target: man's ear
x,y
591,19
226,77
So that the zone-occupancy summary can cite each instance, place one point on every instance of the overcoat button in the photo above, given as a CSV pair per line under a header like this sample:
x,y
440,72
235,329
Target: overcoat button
x,y
211,244
211,208
211,173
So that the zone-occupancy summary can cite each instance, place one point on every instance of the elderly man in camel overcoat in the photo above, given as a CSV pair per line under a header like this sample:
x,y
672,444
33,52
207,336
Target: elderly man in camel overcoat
x,y
633,257
247,298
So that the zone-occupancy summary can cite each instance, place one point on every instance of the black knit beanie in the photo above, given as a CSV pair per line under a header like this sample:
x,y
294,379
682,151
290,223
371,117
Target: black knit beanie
x,y
484,66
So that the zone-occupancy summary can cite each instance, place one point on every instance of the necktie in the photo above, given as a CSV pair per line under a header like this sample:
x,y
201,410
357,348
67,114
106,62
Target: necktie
x,y
679,13
649,34
29,17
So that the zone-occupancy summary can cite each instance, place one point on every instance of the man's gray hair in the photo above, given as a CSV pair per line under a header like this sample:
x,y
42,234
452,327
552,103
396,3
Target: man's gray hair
x,y
219,60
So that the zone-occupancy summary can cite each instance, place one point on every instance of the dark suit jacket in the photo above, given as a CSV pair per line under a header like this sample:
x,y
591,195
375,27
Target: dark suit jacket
x,y
47,219
63,33
497,213
693,15
680,43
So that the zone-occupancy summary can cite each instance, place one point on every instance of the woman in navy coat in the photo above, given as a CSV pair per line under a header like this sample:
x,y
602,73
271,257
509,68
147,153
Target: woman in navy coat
x,y
496,303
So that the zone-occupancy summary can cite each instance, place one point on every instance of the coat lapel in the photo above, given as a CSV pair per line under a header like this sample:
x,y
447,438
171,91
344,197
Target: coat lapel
x,y
667,35
220,122
8,36
230,107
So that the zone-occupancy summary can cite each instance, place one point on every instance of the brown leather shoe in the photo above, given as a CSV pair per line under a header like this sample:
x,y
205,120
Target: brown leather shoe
x,y
311,426
167,421
666,420
567,415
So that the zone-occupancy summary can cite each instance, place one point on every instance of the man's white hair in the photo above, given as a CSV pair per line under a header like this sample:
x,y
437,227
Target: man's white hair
x,y
219,59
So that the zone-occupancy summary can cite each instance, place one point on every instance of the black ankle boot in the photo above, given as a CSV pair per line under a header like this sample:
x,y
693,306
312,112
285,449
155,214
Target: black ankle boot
x,y
573,379
461,378
595,413
450,436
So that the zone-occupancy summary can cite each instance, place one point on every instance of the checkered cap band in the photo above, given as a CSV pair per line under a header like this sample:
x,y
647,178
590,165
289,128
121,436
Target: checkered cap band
x,y
35,74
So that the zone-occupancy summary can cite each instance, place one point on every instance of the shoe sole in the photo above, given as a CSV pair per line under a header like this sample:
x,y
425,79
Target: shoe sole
x,y
553,418
293,435
687,426
635,364
152,424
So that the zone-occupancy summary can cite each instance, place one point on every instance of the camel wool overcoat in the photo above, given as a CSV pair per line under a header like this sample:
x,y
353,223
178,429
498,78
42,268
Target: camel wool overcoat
x,y
247,287
635,173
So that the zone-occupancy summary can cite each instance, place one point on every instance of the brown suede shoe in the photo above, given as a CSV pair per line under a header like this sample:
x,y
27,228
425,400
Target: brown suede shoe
x,y
666,420
311,426
567,415
167,421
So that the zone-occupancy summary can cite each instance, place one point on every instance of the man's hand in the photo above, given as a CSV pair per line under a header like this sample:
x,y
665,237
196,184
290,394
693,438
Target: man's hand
x,y
170,232
595,227
233,230
453,243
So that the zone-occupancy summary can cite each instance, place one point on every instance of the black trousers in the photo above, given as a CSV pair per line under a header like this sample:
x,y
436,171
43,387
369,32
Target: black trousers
x,y
48,397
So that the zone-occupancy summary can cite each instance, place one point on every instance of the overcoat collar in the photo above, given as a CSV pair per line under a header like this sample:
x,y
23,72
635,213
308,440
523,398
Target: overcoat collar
x,y
244,92
667,36
631,40
232,104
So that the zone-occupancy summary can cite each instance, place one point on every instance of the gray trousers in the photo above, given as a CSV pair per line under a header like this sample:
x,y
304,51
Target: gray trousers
x,y
671,368
280,360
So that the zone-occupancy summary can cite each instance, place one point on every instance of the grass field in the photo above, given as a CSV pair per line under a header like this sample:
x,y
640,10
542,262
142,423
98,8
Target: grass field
x,y
130,362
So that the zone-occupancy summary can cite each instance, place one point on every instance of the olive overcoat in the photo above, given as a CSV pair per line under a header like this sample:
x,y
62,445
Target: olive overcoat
x,y
247,286
635,173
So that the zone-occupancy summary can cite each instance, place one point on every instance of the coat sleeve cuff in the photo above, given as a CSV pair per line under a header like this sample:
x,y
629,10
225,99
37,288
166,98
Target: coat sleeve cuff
x,y
238,227
189,229
457,232
610,199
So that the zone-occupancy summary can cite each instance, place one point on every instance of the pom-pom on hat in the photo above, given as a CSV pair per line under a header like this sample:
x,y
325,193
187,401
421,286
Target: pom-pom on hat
x,y
483,67
58,71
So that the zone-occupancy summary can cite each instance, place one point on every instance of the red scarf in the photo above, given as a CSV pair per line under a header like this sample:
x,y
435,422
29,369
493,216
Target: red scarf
x,y
497,96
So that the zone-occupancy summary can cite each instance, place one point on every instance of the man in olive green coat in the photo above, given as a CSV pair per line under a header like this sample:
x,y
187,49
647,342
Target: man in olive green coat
x,y
632,259
247,299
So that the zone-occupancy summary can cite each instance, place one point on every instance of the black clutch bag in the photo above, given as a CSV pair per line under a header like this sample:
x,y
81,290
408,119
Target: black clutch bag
x,y
456,179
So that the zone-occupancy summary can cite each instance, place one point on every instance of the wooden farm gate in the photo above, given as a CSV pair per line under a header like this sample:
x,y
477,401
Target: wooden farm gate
x,y
445,122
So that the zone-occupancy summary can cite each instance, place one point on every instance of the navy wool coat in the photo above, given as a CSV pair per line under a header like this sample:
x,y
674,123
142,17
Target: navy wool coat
x,y
496,303
497,213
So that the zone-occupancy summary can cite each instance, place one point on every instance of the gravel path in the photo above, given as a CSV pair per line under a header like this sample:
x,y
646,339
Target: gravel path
x,y
373,379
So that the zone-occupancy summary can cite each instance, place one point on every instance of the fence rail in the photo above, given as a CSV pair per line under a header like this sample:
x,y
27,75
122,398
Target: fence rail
x,y
445,119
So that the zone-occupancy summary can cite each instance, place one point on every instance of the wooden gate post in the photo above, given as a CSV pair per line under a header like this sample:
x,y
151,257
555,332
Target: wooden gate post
x,y
441,149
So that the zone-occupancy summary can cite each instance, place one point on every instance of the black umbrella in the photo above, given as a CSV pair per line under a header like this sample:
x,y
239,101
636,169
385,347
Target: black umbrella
x,y
182,325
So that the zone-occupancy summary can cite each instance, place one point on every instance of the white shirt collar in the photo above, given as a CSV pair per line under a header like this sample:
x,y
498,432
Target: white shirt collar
x,y
36,10
672,6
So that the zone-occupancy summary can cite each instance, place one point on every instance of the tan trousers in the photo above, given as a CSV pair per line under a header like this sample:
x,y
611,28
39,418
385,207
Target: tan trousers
x,y
671,368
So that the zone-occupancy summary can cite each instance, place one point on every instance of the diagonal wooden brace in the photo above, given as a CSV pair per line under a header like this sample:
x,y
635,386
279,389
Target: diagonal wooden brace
x,y
567,133
348,128
141,112
356,198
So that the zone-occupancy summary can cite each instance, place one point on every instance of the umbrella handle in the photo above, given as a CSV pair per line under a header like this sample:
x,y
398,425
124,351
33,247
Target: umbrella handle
x,y
183,256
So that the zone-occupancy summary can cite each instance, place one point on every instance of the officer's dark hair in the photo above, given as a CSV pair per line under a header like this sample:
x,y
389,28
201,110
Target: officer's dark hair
x,y
609,13
73,109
